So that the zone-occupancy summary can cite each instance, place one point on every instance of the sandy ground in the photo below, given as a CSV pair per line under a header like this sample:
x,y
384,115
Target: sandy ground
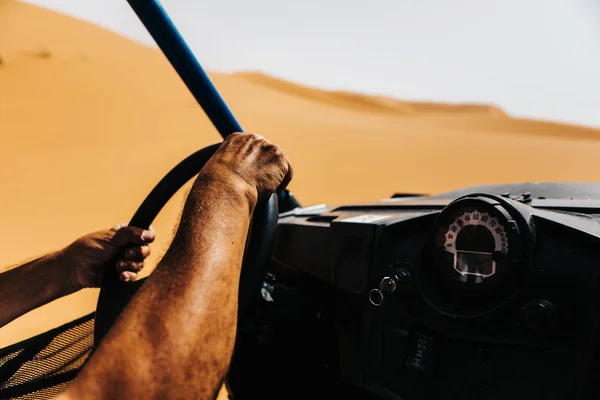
x,y
90,121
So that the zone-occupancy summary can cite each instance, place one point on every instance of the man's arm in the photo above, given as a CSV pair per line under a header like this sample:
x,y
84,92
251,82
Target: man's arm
x,y
81,264
33,284
176,336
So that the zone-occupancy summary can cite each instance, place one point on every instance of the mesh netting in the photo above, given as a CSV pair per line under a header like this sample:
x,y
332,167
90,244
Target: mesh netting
x,y
44,366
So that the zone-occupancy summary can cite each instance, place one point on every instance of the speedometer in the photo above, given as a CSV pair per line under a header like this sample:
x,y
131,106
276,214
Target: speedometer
x,y
475,259
477,241
471,244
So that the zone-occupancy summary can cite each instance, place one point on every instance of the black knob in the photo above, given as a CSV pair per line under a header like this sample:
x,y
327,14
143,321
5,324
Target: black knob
x,y
539,315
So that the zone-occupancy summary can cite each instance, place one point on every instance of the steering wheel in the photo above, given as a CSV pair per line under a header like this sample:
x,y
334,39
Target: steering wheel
x,y
115,294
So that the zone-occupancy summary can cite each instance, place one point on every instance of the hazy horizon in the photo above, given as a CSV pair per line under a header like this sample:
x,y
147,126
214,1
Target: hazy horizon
x,y
533,58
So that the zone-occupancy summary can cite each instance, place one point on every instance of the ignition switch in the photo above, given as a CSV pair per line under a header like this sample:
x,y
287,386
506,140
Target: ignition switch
x,y
387,284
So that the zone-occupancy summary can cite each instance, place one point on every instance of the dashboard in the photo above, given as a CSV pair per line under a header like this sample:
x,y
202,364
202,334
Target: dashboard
x,y
487,292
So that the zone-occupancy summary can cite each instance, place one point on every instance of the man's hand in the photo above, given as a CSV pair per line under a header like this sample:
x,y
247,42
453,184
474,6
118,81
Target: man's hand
x,y
79,265
176,336
251,163
89,255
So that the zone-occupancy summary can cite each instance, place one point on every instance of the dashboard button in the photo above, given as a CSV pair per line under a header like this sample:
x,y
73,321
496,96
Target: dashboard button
x,y
420,352
539,315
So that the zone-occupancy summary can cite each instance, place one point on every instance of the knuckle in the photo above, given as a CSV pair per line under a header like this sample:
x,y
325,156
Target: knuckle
x,y
278,151
281,160
232,137
256,139
256,136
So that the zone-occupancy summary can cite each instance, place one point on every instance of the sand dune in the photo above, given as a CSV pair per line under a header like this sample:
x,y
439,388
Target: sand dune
x,y
361,102
90,121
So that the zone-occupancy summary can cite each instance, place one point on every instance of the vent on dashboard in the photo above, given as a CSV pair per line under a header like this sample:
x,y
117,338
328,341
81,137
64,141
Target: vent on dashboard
x,y
322,218
402,195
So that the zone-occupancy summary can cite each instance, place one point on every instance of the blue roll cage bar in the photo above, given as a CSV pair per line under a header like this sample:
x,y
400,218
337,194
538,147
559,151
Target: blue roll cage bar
x,y
169,40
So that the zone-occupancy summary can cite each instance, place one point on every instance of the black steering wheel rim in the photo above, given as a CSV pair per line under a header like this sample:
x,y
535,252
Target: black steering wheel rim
x,y
115,294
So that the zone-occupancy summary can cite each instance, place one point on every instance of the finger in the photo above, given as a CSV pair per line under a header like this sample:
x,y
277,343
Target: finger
x,y
119,226
235,136
137,253
131,266
131,235
287,179
128,276
236,139
249,146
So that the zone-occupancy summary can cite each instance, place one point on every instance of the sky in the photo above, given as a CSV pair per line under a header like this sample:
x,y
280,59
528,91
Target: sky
x,y
534,58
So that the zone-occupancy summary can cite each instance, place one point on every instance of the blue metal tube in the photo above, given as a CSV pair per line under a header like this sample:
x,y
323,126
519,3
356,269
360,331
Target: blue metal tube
x,y
162,29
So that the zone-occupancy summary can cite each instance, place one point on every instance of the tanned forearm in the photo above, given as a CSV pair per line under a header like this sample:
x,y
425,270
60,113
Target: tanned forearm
x,y
32,284
176,337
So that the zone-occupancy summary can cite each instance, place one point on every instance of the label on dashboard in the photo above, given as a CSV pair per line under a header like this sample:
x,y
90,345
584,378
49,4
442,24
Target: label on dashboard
x,y
365,218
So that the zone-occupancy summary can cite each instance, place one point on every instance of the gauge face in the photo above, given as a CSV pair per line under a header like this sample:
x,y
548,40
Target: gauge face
x,y
472,245
477,242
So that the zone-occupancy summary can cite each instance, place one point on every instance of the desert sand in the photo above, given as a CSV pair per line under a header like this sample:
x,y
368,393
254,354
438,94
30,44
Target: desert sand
x,y
90,121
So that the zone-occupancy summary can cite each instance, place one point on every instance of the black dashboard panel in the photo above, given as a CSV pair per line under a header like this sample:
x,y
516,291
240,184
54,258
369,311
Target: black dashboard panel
x,y
507,353
483,293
